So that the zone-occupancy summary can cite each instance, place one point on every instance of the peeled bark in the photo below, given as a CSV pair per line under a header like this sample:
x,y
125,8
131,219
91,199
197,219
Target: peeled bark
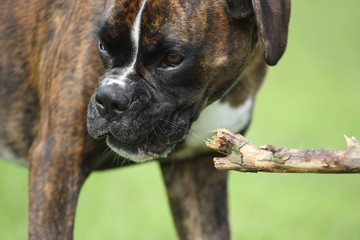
x,y
246,157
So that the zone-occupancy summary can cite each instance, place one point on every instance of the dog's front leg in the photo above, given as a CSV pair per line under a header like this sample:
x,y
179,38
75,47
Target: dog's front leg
x,y
56,176
198,198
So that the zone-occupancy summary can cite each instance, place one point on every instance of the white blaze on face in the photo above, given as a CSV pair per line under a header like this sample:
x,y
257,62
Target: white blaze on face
x,y
135,39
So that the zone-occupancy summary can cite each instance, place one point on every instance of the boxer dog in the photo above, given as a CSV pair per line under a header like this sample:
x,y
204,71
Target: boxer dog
x,y
142,77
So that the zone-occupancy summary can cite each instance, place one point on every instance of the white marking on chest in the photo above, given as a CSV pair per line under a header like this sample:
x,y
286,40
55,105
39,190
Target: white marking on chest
x,y
216,115
135,39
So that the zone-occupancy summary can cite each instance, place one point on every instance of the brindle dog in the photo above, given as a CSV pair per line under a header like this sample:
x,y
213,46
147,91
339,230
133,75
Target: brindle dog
x,y
164,67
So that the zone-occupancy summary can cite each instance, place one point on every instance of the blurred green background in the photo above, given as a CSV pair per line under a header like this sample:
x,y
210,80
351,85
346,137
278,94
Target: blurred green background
x,y
309,100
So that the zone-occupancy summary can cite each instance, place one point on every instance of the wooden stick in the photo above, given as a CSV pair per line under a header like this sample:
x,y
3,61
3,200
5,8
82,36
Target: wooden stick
x,y
246,157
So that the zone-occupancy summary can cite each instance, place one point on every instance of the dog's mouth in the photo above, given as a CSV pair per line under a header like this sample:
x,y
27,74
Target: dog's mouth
x,y
140,145
149,151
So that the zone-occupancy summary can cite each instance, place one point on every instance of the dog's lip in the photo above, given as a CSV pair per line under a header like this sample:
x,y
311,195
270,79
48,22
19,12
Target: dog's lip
x,y
157,147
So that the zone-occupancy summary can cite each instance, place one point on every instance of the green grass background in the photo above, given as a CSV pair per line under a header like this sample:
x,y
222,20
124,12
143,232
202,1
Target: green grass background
x,y
309,100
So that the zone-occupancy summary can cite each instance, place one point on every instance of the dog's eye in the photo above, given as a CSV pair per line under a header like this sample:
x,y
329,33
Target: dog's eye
x,y
172,59
102,46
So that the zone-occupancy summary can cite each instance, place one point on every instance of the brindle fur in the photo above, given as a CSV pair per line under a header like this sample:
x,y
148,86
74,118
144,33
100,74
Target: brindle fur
x,y
49,68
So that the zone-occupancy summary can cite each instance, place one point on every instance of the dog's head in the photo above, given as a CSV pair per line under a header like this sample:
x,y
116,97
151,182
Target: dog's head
x,y
166,60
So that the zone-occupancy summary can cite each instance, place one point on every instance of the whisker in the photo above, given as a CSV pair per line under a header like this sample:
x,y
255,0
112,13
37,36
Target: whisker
x,y
197,136
107,150
115,159
161,130
147,139
155,132
172,160
124,160
171,124
190,131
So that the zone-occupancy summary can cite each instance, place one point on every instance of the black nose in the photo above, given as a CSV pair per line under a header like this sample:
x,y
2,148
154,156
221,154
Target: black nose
x,y
111,101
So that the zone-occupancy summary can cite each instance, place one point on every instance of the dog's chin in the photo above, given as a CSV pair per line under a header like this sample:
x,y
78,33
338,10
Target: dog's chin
x,y
140,154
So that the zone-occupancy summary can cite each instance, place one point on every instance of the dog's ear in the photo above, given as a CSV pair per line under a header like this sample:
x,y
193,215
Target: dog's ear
x,y
272,18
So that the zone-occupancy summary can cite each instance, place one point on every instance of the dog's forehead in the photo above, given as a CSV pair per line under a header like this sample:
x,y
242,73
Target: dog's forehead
x,y
176,19
122,13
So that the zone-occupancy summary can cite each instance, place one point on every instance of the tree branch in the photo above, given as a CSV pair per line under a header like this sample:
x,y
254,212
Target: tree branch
x,y
246,157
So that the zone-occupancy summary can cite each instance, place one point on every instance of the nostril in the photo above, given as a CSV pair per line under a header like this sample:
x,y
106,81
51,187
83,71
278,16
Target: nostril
x,y
99,101
101,106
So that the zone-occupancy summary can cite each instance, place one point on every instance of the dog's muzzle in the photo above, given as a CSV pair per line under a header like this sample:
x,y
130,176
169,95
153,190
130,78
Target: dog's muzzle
x,y
138,122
